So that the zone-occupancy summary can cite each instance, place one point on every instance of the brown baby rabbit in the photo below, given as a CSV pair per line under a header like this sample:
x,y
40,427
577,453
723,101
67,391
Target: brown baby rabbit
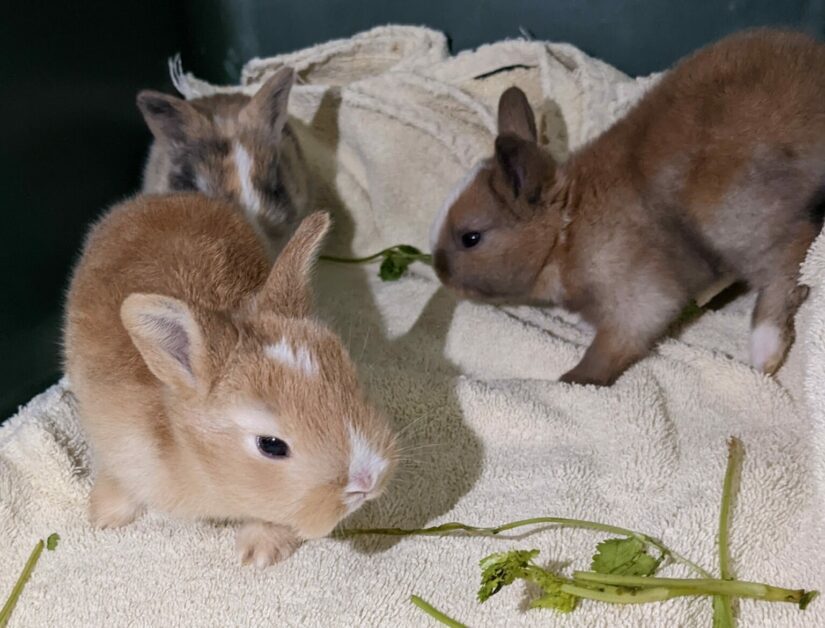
x,y
234,147
718,171
204,384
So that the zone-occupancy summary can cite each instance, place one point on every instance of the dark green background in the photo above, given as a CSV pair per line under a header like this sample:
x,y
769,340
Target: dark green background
x,y
73,142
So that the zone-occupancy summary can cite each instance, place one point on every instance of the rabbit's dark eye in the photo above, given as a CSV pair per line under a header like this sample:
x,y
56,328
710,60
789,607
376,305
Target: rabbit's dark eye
x,y
470,239
272,447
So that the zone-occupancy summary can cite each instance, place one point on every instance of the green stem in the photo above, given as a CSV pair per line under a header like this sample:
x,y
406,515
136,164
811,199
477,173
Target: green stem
x,y
734,463
722,609
435,613
722,612
625,596
699,586
448,528
424,258
5,613
353,260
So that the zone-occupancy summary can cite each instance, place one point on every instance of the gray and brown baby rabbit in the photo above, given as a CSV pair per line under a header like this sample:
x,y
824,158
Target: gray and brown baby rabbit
x,y
206,387
719,170
233,147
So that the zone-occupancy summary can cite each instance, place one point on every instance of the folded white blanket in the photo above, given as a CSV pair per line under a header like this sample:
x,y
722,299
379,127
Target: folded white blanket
x,y
390,122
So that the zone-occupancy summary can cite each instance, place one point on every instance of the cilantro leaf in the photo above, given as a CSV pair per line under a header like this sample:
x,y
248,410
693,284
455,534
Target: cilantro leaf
x,y
500,569
394,260
393,267
552,596
626,557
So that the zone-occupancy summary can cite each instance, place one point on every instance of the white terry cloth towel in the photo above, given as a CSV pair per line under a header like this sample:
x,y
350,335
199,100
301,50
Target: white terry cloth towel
x,y
390,123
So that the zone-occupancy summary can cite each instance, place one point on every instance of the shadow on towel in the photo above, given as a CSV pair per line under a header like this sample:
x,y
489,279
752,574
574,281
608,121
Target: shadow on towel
x,y
441,456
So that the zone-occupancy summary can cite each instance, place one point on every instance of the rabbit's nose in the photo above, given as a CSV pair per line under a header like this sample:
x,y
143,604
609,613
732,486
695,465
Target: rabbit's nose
x,y
361,482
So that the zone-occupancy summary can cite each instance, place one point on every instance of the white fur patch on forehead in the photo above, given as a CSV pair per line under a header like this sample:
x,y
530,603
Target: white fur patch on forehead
x,y
457,191
299,359
250,199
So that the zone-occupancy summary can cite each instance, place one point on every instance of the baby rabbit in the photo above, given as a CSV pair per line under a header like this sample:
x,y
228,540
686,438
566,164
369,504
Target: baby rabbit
x,y
205,386
233,147
718,171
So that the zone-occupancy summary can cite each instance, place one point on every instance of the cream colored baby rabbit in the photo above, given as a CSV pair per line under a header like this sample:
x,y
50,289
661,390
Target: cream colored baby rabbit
x,y
206,387
718,171
232,147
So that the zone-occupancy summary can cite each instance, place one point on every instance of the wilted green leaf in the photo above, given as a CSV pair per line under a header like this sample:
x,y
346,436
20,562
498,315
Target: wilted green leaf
x,y
552,596
500,569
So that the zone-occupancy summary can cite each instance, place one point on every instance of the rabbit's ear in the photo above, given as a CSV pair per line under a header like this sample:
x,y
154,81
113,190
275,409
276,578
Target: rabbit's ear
x,y
288,289
518,156
525,167
515,115
168,338
266,113
170,119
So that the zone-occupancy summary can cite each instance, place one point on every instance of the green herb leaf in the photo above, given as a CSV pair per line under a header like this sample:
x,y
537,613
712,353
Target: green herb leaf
x,y
51,541
503,568
393,267
552,596
394,261
499,570
626,557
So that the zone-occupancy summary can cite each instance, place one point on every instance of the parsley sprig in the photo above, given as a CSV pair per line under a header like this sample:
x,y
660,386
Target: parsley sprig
x,y
622,570
394,260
